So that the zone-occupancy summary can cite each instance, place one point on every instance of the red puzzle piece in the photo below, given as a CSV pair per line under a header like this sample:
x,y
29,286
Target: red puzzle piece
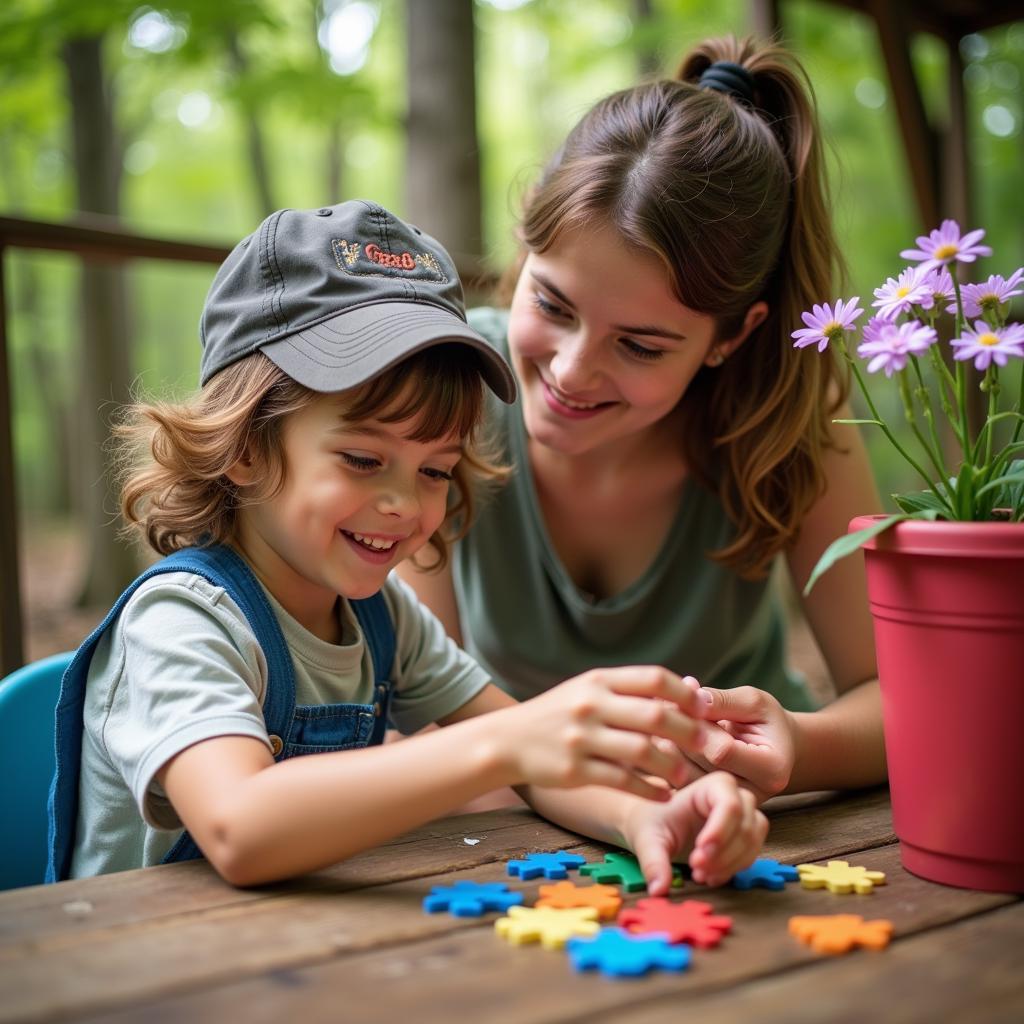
x,y
689,921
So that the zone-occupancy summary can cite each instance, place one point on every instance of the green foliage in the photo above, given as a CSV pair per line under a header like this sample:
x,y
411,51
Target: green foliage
x,y
181,111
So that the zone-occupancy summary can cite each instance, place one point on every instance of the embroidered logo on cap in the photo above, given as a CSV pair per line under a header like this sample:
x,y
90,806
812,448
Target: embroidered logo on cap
x,y
354,258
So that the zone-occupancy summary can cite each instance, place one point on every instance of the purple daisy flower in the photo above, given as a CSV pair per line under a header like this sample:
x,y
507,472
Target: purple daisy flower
x,y
825,324
874,327
944,245
980,299
939,283
889,345
900,295
987,345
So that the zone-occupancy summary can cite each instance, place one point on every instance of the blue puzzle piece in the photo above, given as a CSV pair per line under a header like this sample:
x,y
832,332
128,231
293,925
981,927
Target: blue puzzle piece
x,y
470,899
766,874
550,865
617,954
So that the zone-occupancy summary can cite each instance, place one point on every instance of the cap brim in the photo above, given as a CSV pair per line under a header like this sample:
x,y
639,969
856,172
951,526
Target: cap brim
x,y
355,346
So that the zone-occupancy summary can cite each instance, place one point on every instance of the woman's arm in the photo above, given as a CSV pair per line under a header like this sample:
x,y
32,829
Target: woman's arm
x,y
841,745
773,750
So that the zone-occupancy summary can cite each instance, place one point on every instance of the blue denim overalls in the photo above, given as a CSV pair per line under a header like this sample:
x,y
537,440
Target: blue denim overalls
x,y
293,730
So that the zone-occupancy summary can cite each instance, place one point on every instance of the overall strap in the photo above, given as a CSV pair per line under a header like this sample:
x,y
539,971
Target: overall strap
x,y
218,565
379,631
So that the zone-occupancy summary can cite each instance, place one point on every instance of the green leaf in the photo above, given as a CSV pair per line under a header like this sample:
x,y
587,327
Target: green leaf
x,y
848,544
922,500
1010,486
876,423
963,493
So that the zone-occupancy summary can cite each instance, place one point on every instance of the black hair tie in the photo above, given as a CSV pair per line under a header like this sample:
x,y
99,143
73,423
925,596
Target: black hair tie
x,y
732,79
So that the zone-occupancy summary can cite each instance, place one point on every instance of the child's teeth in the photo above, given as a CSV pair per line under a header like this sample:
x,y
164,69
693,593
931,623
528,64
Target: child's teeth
x,y
373,542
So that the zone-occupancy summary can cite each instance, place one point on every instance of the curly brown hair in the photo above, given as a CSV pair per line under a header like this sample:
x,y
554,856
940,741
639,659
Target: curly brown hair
x,y
732,199
174,457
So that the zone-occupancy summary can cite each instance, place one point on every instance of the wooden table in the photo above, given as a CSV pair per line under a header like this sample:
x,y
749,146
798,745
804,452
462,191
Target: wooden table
x,y
176,943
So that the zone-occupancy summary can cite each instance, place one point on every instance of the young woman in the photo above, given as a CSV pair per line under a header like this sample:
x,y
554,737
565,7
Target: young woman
x,y
669,444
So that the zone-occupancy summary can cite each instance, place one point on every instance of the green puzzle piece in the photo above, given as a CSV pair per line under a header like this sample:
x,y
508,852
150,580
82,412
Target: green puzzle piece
x,y
624,869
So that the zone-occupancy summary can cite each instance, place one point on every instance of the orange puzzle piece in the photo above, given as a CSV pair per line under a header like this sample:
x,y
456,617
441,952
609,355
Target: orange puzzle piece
x,y
839,933
565,895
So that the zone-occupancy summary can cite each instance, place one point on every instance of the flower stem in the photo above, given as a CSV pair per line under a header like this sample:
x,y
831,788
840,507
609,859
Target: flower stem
x,y
961,374
1020,408
911,418
929,415
947,379
885,428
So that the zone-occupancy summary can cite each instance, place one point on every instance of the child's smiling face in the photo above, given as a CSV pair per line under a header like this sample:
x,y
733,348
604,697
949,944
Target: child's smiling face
x,y
356,499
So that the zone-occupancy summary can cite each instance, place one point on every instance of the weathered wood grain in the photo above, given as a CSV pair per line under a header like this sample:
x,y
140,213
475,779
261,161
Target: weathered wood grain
x,y
971,972
378,953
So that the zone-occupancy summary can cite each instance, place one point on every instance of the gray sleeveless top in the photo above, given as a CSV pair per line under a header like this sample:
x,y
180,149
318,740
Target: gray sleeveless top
x,y
530,626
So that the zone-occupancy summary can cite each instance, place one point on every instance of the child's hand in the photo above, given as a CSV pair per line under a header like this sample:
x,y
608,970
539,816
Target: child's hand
x,y
607,727
713,821
749,734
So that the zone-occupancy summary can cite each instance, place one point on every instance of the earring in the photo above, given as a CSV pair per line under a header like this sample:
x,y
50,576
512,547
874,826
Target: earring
x,y
715,359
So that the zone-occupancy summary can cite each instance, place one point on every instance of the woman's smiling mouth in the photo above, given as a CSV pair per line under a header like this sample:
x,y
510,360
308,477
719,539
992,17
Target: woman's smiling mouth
x,y
571,407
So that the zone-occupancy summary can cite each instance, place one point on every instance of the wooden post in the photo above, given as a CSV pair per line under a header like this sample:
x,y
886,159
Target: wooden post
x,y
918,138
11,653
766,19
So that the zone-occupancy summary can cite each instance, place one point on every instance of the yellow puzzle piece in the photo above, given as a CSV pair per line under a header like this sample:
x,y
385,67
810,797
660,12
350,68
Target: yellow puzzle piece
x,y
550,926
839,877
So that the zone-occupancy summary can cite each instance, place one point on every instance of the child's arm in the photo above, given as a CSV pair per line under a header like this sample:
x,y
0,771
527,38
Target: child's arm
x,y
257,820
712,822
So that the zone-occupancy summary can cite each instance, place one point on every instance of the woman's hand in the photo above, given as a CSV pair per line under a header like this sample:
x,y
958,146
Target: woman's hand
x,y
713,822
750,735
607,727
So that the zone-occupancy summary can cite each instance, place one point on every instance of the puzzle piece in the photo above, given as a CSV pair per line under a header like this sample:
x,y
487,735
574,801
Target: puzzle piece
x,y
839,877
624,869
548,925
765,873
690,921
470,899
839,933
616,953
550,865
603,898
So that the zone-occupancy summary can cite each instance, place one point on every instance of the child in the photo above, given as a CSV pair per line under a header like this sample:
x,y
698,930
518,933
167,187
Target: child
x,y
341,390
670,443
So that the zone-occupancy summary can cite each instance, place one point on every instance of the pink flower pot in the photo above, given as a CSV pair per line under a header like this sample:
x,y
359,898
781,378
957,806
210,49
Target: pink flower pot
x,y
948,607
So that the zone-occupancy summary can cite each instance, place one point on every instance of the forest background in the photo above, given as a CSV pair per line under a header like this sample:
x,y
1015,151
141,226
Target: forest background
x,y
192,120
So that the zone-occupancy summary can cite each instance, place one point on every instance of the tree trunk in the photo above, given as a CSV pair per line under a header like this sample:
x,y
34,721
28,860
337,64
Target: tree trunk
x,y
105,371
29,299
258,164
442,178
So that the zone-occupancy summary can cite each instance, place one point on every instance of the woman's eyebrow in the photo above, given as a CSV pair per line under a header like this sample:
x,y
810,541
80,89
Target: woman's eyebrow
x,y
648,329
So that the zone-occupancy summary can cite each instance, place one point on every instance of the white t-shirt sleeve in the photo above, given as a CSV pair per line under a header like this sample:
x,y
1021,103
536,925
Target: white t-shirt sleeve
x,y
433,675
182,666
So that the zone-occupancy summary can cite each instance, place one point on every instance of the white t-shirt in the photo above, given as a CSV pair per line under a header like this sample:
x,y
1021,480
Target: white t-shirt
x,y
181,664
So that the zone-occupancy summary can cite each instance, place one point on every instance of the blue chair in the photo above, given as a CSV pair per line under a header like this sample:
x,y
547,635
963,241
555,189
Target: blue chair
x,y
28,698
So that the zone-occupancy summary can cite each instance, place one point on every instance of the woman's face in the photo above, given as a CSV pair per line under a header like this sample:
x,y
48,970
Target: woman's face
x,y
602,347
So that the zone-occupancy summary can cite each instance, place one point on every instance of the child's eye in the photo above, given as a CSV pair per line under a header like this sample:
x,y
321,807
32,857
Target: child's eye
x,y
359,461
640,351
547,308
437,474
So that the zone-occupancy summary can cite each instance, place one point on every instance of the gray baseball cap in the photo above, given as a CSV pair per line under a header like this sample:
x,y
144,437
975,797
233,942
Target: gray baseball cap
x,y
335,296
